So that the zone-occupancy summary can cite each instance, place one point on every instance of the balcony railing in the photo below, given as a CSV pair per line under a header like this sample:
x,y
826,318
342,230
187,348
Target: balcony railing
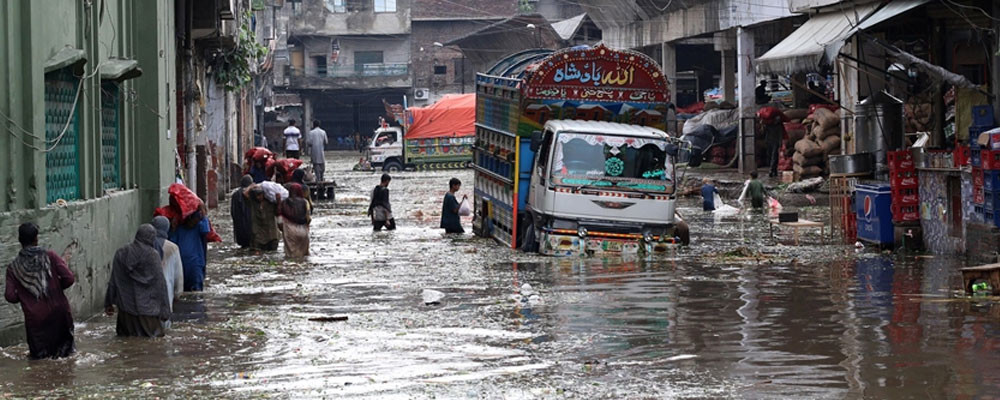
x,y
357,71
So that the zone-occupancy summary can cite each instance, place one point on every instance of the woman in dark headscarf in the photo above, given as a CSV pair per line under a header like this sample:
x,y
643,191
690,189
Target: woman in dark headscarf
x,y
240,211
295,219
137,287
36,279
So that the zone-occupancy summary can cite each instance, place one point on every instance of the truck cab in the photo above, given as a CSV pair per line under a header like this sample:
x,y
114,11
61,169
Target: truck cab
x,y
600,187
386,149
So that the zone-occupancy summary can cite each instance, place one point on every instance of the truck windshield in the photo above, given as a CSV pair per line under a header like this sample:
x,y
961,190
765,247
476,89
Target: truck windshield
x,y
607,161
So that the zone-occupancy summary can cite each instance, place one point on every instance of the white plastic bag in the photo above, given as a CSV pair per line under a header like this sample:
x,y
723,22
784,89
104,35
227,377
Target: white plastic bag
x,y
465,209
272,189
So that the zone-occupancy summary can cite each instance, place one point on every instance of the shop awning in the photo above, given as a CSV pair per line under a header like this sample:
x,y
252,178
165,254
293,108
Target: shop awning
x,y
120,70
819,40
65,57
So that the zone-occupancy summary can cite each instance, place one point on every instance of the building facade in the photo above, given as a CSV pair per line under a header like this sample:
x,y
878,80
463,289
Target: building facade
x,y
343,58
87,96
439,69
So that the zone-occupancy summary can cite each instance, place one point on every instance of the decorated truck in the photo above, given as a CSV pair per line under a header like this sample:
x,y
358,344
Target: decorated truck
x,y
439,136
571,156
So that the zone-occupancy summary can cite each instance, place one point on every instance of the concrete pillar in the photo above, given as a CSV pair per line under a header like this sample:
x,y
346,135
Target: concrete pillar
x,y
668,62
847,93
307,113
746,75
728,83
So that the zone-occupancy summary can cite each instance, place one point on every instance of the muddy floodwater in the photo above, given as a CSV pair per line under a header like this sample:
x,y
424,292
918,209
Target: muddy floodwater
x,y
736,315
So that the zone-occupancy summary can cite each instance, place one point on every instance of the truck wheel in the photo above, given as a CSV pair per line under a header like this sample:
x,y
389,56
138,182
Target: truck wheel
x,y
392,166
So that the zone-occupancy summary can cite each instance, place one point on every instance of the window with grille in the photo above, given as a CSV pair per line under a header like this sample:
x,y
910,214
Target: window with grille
x,y
440,69
385,6
110,135
336,6
62,124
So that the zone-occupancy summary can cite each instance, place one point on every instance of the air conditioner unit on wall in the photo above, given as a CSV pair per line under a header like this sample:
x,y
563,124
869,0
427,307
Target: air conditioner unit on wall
x,y
421,94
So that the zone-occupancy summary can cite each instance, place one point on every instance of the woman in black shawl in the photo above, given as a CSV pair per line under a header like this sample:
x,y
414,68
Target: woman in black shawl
x,y
240,211
137,287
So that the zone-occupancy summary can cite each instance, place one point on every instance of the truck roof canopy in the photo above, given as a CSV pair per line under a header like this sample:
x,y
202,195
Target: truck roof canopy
x,y
452,116
605,128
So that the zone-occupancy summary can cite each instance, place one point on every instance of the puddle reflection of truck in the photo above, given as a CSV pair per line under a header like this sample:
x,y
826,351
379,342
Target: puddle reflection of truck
x,y
570,154
439,136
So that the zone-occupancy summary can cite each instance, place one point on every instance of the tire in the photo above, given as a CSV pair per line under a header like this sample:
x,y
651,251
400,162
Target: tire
x,y
529,240
392,166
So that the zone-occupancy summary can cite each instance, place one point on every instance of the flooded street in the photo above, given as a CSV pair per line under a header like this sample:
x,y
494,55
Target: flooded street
x,y
770,321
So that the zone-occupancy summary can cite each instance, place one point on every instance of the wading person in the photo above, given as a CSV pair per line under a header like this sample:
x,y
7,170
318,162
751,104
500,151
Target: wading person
x,y
258,171
451,222
170,254
240,211
379,209
755,190
317,140
36,279
292,136
299,177
773,123
295,219
137,287
708,192
191,237
263,214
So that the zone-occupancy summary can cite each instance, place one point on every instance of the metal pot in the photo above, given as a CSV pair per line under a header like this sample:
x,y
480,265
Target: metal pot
x,y
852,164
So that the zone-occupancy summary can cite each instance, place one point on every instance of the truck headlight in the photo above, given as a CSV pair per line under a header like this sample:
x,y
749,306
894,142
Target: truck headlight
x,y
582,232
648,236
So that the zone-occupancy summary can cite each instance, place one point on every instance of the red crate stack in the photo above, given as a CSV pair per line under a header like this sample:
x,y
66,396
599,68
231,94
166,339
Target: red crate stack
x,y
905,186
990,159
978,182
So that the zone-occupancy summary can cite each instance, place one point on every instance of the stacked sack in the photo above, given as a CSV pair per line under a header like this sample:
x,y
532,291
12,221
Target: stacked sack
x,y
821,141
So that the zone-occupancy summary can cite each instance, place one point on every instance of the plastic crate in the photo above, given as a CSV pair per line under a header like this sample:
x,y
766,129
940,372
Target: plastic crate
x,y
990,159
992,217
960,157
982,115
905,195
991,200
990,180
977,177
975,130
900,179
901,213
901,160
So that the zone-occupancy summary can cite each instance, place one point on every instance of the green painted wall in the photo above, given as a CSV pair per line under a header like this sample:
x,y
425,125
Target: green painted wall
x,y
95,225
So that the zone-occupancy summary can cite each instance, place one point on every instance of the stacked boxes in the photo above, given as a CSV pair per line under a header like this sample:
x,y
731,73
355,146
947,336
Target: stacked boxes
x,y
905,186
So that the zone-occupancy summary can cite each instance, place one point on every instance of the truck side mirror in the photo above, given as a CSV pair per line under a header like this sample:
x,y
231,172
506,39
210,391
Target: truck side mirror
x,y
536,140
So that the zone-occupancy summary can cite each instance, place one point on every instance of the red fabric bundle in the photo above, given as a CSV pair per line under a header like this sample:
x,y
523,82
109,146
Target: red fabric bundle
x,y
285,168
771,115
256,154
183,203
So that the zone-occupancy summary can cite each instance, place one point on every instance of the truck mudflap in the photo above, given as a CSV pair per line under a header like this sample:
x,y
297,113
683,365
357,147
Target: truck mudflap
x,y
561,242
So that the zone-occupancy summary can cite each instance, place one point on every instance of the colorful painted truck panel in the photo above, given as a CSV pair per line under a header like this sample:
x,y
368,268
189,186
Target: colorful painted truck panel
x,y
529,97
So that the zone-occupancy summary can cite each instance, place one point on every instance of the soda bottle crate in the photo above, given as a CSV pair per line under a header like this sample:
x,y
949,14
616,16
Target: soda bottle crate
x,y
901,160
905,196
902,213
991,180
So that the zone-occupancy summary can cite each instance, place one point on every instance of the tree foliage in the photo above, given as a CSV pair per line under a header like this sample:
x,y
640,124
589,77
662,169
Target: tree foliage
x,y
234,68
